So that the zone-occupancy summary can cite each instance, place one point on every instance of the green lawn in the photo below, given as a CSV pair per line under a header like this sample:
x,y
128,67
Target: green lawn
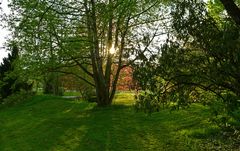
x,y
72,93
47,123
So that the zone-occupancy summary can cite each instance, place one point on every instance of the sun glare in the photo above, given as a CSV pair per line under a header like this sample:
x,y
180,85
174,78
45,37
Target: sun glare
x,y
112,50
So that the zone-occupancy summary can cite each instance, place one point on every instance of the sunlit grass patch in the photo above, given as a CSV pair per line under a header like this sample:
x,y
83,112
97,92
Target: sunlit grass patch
x,y
125,98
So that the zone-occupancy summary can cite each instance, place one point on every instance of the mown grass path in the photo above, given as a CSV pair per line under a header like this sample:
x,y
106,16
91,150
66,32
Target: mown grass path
x,y
47,123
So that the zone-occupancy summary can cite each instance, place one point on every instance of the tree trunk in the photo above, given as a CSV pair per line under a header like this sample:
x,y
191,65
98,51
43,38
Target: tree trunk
x,y
232,10
105,81
102,93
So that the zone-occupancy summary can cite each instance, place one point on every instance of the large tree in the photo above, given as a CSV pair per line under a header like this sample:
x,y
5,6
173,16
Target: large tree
x,y
57,36
200,62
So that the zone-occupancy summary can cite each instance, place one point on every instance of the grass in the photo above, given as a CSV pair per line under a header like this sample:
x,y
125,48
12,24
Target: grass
x,y
72,93
47,123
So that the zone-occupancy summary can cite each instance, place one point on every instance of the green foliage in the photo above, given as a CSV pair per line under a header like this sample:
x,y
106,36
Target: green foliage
x,y
16,98
215,8
226,114
10,82
52,84
147,101
6,68
199,62
72,93
210,59
88,93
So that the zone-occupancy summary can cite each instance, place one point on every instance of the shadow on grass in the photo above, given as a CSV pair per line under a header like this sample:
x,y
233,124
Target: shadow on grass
x,y
55,124
114,128
119,128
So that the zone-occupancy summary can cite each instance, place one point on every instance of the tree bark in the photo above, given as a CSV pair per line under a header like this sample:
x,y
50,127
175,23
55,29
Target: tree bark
x,y
101,80
232,9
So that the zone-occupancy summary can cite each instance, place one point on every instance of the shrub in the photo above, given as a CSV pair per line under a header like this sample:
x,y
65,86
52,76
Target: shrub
x,y
147,101
88,94
16,98
226,114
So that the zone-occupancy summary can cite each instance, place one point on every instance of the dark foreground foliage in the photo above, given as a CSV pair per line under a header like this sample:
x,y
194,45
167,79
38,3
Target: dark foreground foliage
x,y
200,62
9,80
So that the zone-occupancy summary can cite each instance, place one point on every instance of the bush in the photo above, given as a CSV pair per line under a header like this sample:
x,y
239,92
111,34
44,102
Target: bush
x,y
226,114
88,94
16,98
147,101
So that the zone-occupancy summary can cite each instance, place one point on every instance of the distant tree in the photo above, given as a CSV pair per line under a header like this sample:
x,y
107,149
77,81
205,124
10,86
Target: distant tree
x,y
125,81
52,84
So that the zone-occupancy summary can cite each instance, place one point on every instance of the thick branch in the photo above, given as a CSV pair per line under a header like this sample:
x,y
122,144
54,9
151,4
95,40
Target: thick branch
x,y
82,67
77,75
232,10
144,50
114,83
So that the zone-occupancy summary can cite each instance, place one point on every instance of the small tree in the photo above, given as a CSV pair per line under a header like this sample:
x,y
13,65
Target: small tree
x,y
9,81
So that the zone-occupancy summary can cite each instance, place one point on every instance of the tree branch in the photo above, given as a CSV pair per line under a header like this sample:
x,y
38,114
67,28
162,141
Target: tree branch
x,y
232,10
78,76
